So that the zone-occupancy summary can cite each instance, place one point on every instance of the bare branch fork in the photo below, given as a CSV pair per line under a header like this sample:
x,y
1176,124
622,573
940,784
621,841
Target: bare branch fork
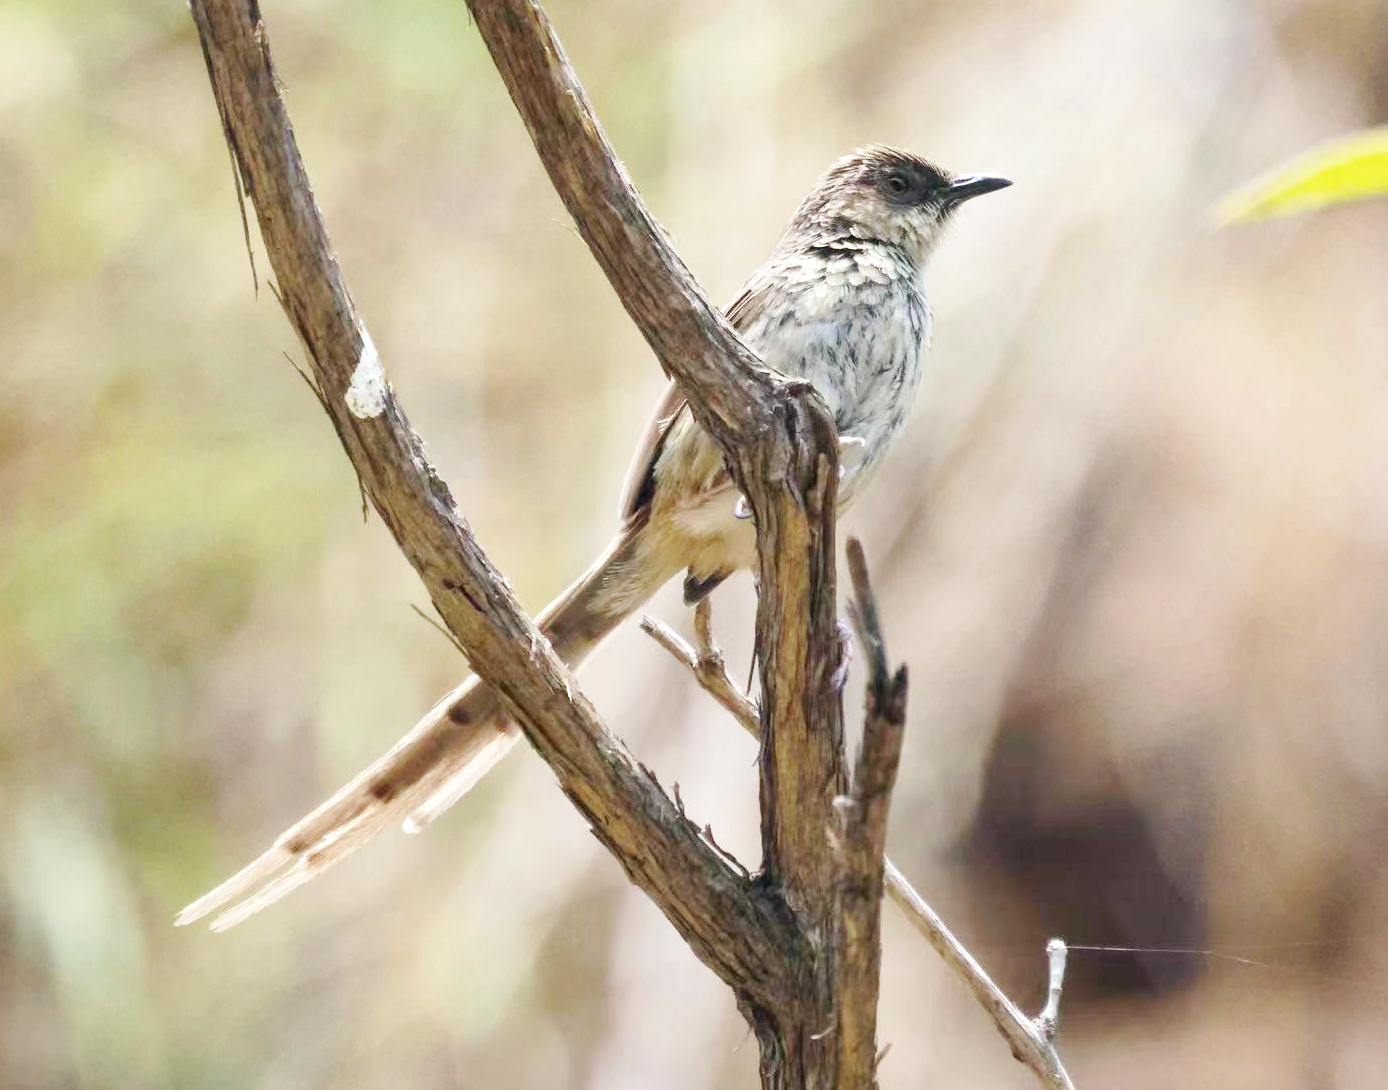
x,y
1032,1040
797,944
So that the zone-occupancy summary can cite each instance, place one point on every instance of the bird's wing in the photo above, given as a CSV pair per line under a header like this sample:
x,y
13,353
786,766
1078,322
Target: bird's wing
x,y
640,478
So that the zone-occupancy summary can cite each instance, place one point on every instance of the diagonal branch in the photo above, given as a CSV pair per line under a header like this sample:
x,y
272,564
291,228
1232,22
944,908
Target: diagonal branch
x,y
730,390
1030,1042
731,924
776,435
707,665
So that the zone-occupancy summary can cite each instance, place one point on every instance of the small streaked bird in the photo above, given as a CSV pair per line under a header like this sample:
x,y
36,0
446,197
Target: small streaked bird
x,y
841,302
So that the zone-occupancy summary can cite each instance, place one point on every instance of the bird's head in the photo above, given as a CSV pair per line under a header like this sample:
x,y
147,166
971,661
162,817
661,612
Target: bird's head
x,y
882,193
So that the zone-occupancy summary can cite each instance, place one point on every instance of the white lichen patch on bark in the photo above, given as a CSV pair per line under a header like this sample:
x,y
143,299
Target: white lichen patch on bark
x,y
366,393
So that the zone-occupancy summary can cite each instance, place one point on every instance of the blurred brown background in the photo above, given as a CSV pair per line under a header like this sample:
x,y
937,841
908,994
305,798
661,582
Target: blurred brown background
x,y
1135,548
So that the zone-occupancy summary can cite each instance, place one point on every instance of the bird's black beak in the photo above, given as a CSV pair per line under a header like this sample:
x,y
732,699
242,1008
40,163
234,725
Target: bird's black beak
x,y
973,185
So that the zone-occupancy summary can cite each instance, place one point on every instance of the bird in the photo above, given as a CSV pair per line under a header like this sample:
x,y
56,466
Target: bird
x,y
841,303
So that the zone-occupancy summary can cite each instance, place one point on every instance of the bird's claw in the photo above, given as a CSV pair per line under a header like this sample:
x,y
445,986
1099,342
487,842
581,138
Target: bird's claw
x,y
839,678
851,451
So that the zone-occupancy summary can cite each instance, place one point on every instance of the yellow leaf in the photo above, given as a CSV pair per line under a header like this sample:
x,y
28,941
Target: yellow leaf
x,y
1346,169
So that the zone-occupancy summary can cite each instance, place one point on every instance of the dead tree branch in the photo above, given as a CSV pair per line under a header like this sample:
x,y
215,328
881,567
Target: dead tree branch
x,y
1031,1040
863,841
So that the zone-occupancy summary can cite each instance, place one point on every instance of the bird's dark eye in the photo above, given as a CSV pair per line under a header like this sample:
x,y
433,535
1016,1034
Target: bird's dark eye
x,y
897,185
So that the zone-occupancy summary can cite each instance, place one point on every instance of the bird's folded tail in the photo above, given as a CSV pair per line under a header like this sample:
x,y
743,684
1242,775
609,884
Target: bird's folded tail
x,y
461,738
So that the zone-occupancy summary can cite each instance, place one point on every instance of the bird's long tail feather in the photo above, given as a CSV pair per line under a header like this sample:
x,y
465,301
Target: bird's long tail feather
x,y
461,738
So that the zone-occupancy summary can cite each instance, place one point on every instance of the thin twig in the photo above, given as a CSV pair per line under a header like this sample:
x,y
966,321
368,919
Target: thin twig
x,y
308,379
441,630
1029,1043
708,667
1049,1018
